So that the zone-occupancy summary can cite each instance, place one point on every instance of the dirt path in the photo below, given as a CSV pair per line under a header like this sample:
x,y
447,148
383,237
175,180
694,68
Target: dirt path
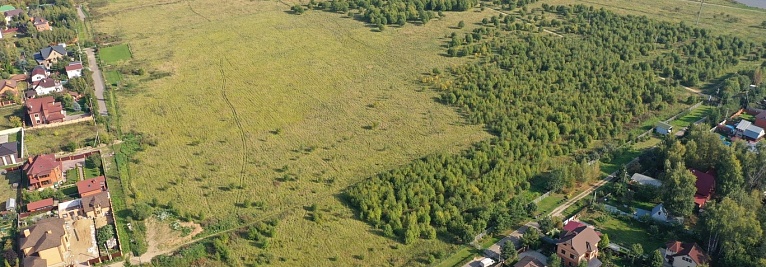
x,y
80,13
98,81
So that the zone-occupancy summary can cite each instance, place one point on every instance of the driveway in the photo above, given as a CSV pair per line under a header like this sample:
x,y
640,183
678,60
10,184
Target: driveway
x,y
98,81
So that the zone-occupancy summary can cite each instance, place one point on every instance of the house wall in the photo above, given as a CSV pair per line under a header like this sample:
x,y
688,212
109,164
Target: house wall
x,y
74,73
37,77
567,253
678,261
52,255
47,90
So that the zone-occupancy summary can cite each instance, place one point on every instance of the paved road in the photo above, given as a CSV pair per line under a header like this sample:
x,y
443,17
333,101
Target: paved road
x,y
98,81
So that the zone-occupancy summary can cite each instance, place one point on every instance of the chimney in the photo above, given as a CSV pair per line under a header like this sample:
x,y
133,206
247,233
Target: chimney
x,y
49,232
26,233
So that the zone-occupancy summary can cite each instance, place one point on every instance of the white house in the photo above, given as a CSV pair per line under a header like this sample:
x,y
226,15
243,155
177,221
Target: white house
x,y
663,128
38,73
47,86
678,254
74,69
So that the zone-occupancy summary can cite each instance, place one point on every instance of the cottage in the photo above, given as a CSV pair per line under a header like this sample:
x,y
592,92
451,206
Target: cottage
x,y
91,186
679,254
45,243
578,245
47,86
49,55
44,110
754,132
43,171
640,179
10,14
529,261
659,213
41,24
705,187
8,153
40,205
38,73
663,128
74,69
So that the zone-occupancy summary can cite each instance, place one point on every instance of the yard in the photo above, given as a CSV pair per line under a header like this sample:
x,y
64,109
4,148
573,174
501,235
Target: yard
x,y
6,188
112,77
691,117
309,111
623,232
7,112
61,138
113,54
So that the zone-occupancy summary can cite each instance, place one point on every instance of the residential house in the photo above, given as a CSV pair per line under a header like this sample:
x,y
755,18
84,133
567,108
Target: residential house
x,y
8,87
74,69
43,171
679,254
91,186
41,205
742,126
578,245
663,128
44,244
44,110
705,187
754,132
10,14
47,86
659,213
51,54
41,24
97,205
760,119
529,261
9,152
640,179
38,73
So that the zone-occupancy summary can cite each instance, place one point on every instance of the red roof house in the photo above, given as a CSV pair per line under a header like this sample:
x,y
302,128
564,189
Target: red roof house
x,y
43,171
44,110
705,187
681,254
91,186
39,205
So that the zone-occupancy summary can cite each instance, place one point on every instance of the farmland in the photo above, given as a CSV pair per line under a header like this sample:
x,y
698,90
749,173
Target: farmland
x,y
283,110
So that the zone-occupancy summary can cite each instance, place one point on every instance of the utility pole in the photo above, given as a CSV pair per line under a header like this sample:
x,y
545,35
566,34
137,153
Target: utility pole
x,y
699,13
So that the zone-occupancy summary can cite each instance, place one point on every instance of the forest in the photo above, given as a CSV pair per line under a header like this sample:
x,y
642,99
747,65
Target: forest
x,y
542,96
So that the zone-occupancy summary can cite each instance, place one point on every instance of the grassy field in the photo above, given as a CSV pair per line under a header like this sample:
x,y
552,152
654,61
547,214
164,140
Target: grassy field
x,y
53,140
112,77
114,54
623,232
257,93
727,19
691,117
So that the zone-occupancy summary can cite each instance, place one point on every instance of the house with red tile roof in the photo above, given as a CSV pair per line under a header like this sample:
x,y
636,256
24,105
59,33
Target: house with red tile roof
x,y
40,205
91,186
74,69
579,245
43,171
679,254
44,110
705,187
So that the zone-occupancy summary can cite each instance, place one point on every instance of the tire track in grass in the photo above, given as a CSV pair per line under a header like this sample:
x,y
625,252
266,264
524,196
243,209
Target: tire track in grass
x,y
188,3
241,130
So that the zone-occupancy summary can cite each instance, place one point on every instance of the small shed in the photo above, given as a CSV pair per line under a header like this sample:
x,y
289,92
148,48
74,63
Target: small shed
x,y
10,205
663,128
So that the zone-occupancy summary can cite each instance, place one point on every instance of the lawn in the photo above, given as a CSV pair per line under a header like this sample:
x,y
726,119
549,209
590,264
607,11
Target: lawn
x,y
114,54
691,117
72,176
57,139
91,171
549,203
282,90
7,112
623,232
112,77
6,187
619,160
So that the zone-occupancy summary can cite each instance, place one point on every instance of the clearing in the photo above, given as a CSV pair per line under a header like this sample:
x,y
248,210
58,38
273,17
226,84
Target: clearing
x,y
61,138
114,54
284,110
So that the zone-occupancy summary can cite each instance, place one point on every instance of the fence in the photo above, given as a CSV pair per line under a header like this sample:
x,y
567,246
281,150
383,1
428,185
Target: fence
x,y
540,198
104,258
57,124
673,118
80,156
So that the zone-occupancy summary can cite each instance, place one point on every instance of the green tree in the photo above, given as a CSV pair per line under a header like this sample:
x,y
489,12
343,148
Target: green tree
x,y
461,24
604,241
730,229
104,233
554,260
531,238
509,252
679,189
15,121
637,251
141,211
546,224
729,178
656,260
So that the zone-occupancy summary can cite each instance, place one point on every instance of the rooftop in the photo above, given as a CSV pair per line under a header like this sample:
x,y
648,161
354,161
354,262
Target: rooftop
x,y
645,180
92,184
32,206
45,234
41,165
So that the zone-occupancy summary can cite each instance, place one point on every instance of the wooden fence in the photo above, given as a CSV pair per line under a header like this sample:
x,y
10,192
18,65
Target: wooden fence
x,y
79,156
104,258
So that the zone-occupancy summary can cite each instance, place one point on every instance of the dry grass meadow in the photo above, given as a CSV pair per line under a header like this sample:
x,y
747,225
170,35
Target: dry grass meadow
x,y
293,109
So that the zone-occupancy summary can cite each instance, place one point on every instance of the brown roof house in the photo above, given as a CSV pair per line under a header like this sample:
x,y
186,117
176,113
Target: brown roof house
x,y
679,254
528,261
44,110
577,245
705,187
44,244
9,153
96,205
41,24
8,86
91,186
43,171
